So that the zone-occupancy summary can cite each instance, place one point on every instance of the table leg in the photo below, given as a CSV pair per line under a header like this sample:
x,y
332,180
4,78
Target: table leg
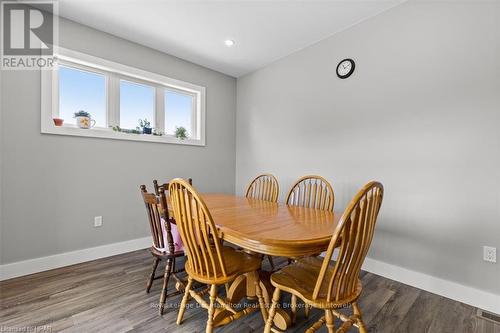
x,y
244,285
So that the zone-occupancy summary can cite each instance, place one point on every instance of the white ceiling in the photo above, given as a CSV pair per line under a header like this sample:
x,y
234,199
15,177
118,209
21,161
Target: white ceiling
x,y
264,31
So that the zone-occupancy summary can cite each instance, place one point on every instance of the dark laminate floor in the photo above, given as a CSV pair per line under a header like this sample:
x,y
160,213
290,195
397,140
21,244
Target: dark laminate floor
x,y
108,295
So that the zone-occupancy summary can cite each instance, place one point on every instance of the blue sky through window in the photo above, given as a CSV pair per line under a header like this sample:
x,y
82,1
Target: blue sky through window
x,y
137,101
81,90
178,110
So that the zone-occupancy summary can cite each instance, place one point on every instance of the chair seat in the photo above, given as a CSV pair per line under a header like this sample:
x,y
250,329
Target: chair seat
x,y
236,262
300,278
165,253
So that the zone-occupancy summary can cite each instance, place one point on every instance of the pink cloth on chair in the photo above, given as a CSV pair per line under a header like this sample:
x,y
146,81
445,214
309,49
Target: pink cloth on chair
x,y
178,245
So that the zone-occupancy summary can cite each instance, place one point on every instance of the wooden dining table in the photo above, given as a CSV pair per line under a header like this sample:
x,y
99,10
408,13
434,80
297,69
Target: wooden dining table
x,y
268,228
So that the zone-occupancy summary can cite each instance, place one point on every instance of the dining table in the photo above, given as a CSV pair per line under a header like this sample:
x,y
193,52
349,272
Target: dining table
x,y
268,228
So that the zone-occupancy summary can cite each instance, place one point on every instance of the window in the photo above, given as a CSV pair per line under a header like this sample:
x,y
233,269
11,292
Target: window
x,y
117,97
82,90
178,111
137,101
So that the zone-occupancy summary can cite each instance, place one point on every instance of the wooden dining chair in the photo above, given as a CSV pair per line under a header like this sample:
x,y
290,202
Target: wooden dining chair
x,y
311,192
263,187
164,246
334,286
208,261
165,185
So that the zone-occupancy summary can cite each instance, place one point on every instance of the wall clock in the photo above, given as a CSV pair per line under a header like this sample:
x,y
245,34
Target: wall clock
x,y
345,68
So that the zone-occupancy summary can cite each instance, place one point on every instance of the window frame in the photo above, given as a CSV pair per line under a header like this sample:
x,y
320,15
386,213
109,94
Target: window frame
x,y
55,93
113,73
140,83
194,120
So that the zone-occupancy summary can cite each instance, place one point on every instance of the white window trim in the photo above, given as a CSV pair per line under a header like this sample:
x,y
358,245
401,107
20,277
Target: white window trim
x,y
114,72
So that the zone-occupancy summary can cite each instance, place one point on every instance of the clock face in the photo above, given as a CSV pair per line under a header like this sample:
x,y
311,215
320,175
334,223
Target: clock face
x,y
345,68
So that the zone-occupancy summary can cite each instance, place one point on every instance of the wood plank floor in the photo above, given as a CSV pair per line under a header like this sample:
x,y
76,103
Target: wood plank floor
x,y
108,295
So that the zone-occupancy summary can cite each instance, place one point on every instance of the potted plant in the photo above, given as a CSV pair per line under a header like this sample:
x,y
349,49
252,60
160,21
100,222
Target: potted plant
x,y
84,119
58,121
181,133
145,125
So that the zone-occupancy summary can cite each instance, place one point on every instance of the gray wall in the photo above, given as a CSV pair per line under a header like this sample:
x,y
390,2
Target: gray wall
x,y
55,185
421,114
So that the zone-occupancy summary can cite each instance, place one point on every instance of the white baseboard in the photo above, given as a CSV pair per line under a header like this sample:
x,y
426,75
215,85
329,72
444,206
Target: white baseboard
x,y
36,265
458,292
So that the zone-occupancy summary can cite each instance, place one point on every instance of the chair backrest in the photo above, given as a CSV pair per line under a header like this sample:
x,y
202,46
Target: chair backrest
x,y
159,221
353,236
198,232
311,192
165,185
263,187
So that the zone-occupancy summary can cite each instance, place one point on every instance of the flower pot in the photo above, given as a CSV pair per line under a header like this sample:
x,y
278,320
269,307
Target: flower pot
x,y
58,121
85,122
147,130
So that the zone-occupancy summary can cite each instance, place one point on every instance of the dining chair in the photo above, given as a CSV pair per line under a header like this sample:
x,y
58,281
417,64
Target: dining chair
x,y
165,185
333,286
165,246
311,192
208,261
264,187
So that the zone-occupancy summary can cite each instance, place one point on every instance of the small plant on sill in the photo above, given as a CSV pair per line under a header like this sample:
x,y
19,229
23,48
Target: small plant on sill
x,y
124,130
84,119
181,133
145,126
82,113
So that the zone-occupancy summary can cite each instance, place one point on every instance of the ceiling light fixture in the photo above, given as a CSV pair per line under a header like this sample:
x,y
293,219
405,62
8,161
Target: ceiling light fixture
x,y
229,42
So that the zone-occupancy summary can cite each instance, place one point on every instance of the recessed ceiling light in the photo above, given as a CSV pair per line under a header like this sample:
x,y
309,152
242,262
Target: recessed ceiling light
x,y
229,42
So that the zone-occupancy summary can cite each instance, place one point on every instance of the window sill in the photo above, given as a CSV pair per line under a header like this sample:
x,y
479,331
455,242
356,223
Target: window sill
x,y
105,133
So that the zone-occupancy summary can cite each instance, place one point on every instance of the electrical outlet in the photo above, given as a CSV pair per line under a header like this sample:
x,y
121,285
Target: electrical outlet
x,y
98,221
490,253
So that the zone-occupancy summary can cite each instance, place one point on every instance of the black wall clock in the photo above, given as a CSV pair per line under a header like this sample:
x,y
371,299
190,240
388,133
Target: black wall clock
x,y
345,68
